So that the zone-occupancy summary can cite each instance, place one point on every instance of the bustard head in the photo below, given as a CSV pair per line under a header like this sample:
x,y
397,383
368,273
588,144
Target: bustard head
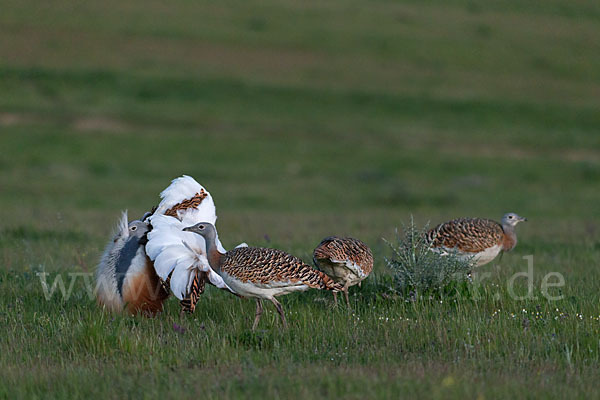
x,y
138,229
205,229
512,219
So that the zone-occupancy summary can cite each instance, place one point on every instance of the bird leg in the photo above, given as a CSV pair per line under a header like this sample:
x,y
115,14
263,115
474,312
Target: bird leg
x,y
335,298
346,294
259,310
501,254
280,311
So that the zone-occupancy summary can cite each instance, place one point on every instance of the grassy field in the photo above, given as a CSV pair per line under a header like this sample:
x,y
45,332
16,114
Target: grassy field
x,y
303,119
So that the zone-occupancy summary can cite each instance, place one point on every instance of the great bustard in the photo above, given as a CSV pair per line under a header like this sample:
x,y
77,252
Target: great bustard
x,y
261,273
125,276
347,261
478,239
172,257
180,257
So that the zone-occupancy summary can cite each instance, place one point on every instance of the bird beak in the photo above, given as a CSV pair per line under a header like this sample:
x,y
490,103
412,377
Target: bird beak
x,y
523,219
189,228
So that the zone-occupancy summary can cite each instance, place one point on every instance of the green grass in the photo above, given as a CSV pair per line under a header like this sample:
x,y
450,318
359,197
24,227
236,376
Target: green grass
x,y
303,119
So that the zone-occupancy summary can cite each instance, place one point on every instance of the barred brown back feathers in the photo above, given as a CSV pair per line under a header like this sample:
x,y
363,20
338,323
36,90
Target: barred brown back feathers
x,y
264,266
479,240
187,203
346,260
467,234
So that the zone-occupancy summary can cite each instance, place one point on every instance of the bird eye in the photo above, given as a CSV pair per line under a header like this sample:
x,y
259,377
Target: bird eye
x,y
201,227
133,228
510,216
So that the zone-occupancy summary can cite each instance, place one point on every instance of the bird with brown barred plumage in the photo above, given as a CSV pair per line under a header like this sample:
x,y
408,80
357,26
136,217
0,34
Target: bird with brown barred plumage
x,y
261,273
477,239
347,261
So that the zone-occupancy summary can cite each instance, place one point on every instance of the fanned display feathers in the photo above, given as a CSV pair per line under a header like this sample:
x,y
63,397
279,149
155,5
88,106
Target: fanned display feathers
x,y
180,257
178,254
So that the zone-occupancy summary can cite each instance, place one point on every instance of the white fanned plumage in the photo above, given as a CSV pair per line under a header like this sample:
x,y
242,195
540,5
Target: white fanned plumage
x,y
178,253
175,252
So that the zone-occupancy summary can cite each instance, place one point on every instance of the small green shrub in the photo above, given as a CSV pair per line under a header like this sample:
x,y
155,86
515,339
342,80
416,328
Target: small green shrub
x,y
419,271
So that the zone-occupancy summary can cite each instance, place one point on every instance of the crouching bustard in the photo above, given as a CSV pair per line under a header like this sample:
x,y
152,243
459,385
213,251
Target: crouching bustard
x,y
261,273
347,261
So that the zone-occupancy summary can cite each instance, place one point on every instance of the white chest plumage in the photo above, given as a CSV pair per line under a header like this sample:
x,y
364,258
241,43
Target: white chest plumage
x,y
478,259
269,290
343,271
487,255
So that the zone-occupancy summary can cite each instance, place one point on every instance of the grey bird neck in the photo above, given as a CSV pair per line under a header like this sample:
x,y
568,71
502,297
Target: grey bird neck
x,y
212,252
508,229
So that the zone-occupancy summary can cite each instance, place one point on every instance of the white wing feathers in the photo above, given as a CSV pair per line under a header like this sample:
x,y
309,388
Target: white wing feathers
x,y
174,251
179,254
185,188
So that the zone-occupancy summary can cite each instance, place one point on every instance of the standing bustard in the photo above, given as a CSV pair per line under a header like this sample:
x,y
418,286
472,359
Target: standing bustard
x,y
125,276
347,261
478,239
260,272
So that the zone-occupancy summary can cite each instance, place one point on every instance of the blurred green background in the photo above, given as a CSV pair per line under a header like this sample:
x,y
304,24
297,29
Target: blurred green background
x,y
303,119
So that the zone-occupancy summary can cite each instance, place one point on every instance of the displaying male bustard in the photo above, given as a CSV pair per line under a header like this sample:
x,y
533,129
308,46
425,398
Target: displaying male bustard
x,y
180,257
479,239
261,273
172,258
347,261
125,277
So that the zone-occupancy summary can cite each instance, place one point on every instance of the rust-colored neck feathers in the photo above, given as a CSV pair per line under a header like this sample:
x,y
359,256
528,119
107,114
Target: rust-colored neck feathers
x,y
509,240
214,257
